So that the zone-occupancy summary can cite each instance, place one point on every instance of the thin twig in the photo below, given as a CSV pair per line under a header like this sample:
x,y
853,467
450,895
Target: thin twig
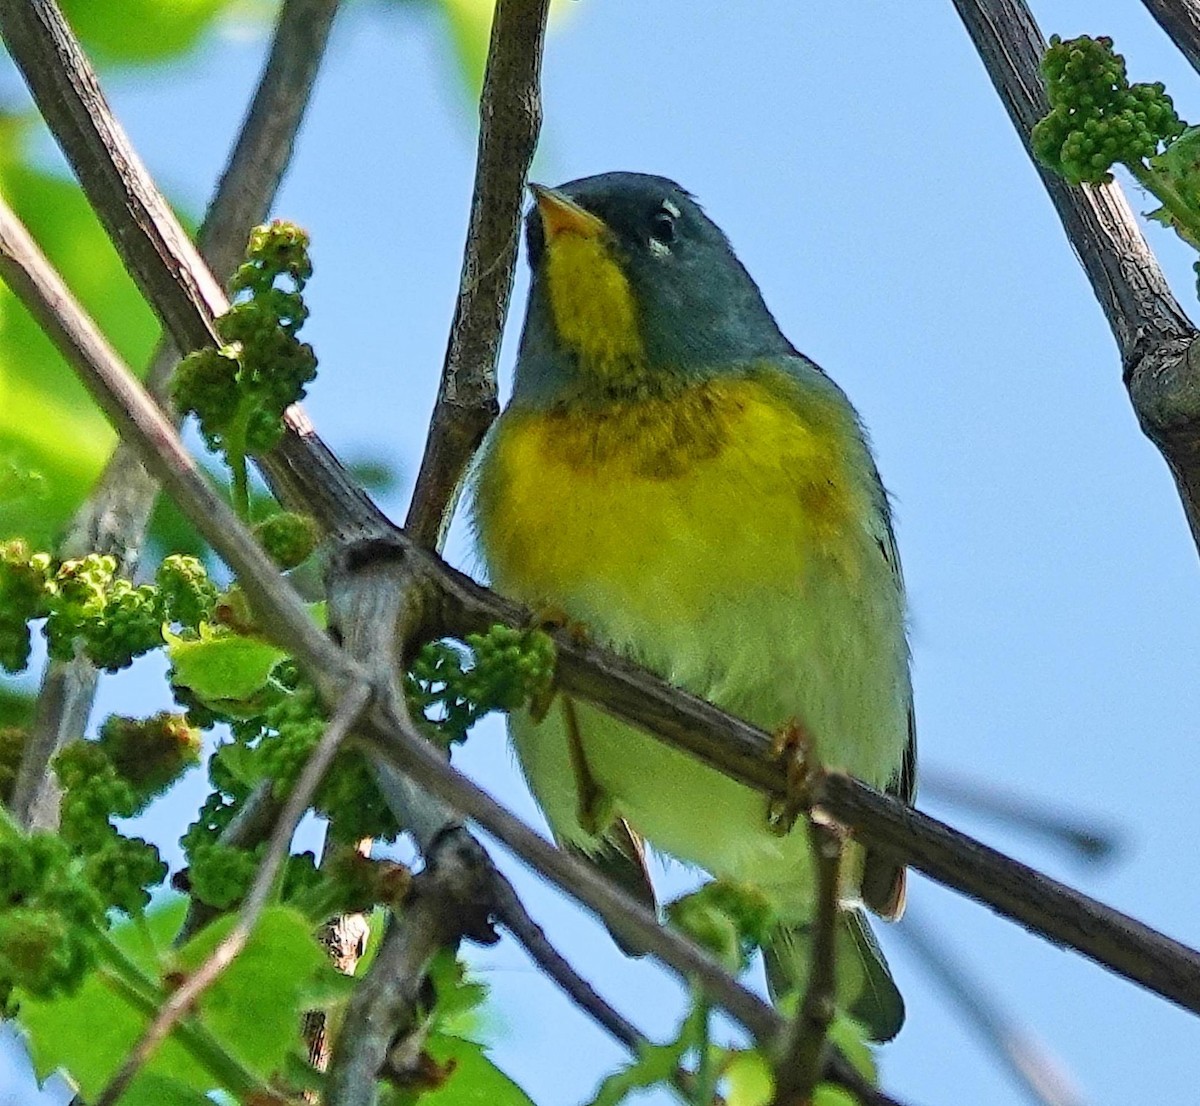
x,y
510,116
1181,20
1041,1075
799,1066
1160,361
516,919
1085,840
185,996
114,518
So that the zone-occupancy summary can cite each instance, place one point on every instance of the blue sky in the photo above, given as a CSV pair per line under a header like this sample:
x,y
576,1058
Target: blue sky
x,y
867,175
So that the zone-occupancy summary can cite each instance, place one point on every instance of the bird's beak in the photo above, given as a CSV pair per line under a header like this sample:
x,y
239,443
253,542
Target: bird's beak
x,y
561,215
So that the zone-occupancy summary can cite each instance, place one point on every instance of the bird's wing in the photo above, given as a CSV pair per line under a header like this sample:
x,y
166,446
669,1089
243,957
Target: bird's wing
x,y
622,859
883,880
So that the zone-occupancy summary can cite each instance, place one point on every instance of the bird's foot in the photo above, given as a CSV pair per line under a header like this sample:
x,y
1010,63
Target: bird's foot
x,y
792,744
552,617
595,808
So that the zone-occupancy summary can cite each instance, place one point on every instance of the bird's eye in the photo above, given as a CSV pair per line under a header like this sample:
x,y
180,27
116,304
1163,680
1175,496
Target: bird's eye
x,y
662,224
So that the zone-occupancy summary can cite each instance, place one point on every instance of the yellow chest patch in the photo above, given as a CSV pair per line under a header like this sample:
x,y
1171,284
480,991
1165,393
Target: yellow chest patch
x,y
662,506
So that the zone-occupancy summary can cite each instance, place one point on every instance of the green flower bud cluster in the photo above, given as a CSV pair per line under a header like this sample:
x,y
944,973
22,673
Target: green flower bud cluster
x,y
220,874
240,391
24,580
189,597
729,919
290,729
119,868
288,538
1097,118
86,604
50,915
506,669
150,754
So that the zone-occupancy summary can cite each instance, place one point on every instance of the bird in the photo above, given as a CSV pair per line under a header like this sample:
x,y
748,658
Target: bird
x,y
677,480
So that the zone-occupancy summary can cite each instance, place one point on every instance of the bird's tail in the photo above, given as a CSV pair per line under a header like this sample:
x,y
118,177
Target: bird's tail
x,y
865,988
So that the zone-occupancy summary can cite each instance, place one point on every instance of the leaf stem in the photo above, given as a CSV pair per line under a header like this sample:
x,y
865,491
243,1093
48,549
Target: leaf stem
x,y
1184,217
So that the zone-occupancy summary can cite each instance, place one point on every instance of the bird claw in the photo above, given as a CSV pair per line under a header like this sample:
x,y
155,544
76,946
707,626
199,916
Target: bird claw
x,y
553,618
793,745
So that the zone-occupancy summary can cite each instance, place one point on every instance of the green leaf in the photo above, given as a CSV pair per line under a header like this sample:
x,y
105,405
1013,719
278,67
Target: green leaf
x,y
222,669
255,1007
140,31
851,1038
474,1081
655,1063
459,995
16,707
827,1094
90,1033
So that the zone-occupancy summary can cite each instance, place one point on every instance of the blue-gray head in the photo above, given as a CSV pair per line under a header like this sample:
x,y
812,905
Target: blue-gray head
x,y
633,286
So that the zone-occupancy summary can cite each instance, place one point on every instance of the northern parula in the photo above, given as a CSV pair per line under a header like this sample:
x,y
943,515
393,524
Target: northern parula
x,y
674,476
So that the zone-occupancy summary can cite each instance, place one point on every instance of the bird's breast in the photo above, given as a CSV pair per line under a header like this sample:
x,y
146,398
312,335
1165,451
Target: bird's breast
x,y
650,511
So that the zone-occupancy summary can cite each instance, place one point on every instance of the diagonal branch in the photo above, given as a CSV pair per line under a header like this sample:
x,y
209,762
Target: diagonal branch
x,y
1154,336
509,120
115,516
1181,20
185,996
155,248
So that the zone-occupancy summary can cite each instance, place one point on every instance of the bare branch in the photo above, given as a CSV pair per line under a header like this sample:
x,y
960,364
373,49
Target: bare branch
x,y
1153,334
799,1065
1041,1074
185,996
515,918
387,1000
1181,20
510,116
115,516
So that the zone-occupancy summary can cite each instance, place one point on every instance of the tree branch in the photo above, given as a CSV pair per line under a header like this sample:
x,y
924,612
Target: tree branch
x,y
184,997
114,517
1181,20
1154,336
388,998
510,117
